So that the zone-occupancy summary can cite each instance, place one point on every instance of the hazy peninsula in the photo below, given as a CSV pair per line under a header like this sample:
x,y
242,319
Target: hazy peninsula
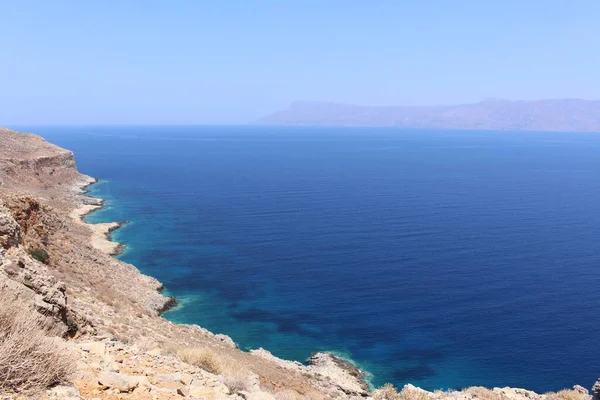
x,y
567,115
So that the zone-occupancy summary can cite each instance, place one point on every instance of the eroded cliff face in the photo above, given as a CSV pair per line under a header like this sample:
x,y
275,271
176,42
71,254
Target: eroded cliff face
x,y
10,231
27,279
27,161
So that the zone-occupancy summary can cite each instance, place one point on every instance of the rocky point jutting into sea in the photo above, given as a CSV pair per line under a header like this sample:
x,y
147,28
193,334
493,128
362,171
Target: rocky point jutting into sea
x,y
97,332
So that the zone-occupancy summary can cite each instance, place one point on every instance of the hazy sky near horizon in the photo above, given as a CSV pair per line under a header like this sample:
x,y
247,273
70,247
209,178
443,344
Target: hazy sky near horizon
x,y
187,61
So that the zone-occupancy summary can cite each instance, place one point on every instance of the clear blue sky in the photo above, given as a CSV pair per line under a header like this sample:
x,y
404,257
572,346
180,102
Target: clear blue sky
x,y
72,62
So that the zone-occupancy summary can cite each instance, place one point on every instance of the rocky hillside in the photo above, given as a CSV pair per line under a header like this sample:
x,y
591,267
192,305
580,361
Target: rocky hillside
x,y
76,323
28,161
568,115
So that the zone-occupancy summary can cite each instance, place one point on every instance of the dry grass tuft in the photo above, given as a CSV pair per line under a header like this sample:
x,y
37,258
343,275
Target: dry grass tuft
x,y
236,376
389,392
145,344
289,394
200,358
214,360
413,394
567,394
386,392
236,382
30,360
479,392
482,393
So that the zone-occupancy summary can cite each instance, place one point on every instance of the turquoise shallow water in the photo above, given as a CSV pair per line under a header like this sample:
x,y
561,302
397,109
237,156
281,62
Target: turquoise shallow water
x,y
440,258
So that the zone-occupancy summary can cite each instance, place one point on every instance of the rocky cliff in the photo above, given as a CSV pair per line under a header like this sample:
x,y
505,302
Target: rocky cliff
x,y
102,316
28,161
26,278
106,311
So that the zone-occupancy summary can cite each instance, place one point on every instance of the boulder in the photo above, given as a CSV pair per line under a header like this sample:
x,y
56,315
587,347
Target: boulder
x,y
169,381
518,393
154,352
345,375
96,348
123,383
64,393
581,390
226,340
596,390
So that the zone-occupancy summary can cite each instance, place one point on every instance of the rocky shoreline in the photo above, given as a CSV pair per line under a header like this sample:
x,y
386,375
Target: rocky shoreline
x,y
102,238
102,315
346,370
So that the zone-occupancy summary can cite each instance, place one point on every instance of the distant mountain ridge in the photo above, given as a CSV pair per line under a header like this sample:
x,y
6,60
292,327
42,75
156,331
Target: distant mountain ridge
x,y
568,115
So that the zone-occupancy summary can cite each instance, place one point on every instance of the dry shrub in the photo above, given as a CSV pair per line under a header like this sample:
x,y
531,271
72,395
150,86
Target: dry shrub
x,y
567,394
202,358
482,393
30,359
389,392
236,382
232,366
386,392
413,394
236,377
211,360
145,343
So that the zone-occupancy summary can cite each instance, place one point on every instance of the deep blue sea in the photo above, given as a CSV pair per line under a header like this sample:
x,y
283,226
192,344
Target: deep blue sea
x,y
440,258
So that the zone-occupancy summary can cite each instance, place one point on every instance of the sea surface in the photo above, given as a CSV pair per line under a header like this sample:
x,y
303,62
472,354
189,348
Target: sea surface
x,y
440,258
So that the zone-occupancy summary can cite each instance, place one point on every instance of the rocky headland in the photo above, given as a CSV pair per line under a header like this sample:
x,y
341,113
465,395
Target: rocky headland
x,y
76,323
563,115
